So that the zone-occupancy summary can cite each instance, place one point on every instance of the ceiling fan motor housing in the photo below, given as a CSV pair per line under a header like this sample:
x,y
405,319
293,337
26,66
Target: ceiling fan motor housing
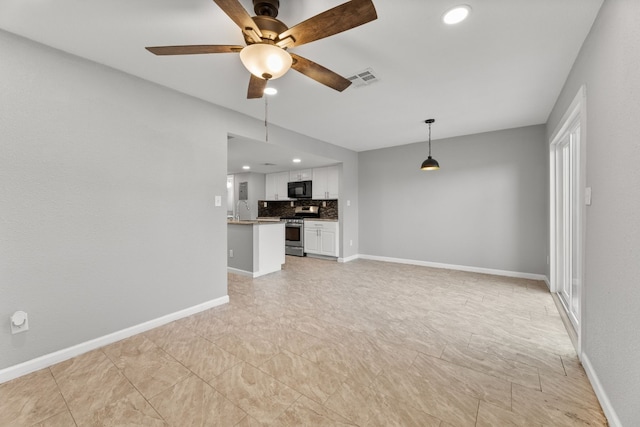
x,y
266,7
270,28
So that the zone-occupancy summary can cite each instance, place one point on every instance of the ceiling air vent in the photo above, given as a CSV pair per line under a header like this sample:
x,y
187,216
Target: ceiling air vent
x,y
363,78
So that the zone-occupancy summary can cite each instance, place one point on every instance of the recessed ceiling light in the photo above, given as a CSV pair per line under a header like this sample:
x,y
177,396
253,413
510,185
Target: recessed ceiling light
x,y
270,90
296,160
456,15
245,167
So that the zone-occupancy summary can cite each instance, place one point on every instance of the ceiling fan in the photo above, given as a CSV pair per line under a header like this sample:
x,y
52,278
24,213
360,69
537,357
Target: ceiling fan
x,y
266,56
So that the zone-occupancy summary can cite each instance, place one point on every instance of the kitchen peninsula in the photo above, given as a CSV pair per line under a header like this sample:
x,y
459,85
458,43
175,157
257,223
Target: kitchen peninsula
x,y
255,247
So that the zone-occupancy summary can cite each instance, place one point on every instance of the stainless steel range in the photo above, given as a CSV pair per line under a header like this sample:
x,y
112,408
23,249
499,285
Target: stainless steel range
x,y
294,236
294,229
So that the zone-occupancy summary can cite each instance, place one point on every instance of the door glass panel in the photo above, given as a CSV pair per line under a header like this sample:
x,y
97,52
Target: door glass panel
x,y
575,224
567,223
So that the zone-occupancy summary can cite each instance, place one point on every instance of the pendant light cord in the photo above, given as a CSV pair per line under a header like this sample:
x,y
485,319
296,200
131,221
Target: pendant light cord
x,y
429,139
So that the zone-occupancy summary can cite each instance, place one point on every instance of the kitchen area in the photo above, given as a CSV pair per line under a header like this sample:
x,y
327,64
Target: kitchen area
x,y
273,215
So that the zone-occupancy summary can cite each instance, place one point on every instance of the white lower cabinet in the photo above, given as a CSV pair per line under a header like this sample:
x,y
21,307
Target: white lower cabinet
x,y
321,238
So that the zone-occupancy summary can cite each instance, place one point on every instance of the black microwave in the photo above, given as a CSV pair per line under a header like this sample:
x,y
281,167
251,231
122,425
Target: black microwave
x,y
299,190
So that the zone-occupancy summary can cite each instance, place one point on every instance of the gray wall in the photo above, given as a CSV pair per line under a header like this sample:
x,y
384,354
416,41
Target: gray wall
x,y
107,210
485,207
609,65
107,215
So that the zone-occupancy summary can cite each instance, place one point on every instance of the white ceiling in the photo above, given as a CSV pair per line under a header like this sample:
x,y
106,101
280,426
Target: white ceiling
x,y
504,67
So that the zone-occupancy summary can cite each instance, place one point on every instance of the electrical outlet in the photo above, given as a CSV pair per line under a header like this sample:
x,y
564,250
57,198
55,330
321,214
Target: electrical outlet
x,y
19,322
230,253
291,204
350,242
324,204
348,202
264,205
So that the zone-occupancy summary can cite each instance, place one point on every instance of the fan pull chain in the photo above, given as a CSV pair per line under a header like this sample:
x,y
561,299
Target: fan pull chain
x,y
266,111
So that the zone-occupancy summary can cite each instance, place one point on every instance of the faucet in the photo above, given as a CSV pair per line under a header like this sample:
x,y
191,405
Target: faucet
x,y
238,208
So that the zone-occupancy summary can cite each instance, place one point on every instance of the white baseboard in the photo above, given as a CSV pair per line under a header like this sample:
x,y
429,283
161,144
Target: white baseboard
x,y
349,259
240,272
609,412
51,359
456,267
249,273
548,282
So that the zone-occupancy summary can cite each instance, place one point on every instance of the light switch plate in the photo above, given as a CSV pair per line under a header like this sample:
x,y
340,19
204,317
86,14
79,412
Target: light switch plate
x,y
587,196
218,200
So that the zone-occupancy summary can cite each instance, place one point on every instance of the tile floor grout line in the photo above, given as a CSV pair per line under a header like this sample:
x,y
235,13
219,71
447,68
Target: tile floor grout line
x,y
64,399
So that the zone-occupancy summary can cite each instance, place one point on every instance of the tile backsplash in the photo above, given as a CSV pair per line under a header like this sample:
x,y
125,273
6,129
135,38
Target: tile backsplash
x,y
283,208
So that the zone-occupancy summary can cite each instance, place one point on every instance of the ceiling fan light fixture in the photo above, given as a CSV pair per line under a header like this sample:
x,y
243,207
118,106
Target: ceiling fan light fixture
x,y
266,61
456,15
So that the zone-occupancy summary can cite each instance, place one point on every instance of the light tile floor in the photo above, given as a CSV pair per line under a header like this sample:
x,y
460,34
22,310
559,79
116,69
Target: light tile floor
x,y
326,344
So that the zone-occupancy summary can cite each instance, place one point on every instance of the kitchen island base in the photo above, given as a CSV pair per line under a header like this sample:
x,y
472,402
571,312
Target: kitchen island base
x,y
255,248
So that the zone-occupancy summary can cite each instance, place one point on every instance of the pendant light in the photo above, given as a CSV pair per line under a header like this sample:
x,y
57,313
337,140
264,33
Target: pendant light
x,y
430,164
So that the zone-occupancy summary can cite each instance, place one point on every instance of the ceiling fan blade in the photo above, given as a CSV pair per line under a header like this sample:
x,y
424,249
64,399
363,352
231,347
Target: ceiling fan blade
x,y
241,17
318,73
194,49
333,21
256,87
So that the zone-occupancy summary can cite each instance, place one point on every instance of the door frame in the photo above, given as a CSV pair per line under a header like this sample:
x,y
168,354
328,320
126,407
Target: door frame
x,y
575,112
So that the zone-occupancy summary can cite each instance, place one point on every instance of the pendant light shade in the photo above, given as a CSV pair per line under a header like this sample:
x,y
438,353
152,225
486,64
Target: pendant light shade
x,y
430,164
265,60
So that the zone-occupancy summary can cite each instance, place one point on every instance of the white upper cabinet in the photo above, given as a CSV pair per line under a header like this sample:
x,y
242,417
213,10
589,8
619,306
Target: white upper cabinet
x,y
276,186
301,175
326,182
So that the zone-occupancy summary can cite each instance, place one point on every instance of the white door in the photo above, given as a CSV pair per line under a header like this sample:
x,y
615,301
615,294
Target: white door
x,y
568,178
568,222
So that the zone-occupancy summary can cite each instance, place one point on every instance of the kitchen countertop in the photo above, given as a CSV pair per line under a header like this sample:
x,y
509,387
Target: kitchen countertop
x,y
272,220
253,221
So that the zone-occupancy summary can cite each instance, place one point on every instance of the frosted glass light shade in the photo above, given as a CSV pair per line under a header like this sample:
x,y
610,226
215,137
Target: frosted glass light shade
x,y
266,61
